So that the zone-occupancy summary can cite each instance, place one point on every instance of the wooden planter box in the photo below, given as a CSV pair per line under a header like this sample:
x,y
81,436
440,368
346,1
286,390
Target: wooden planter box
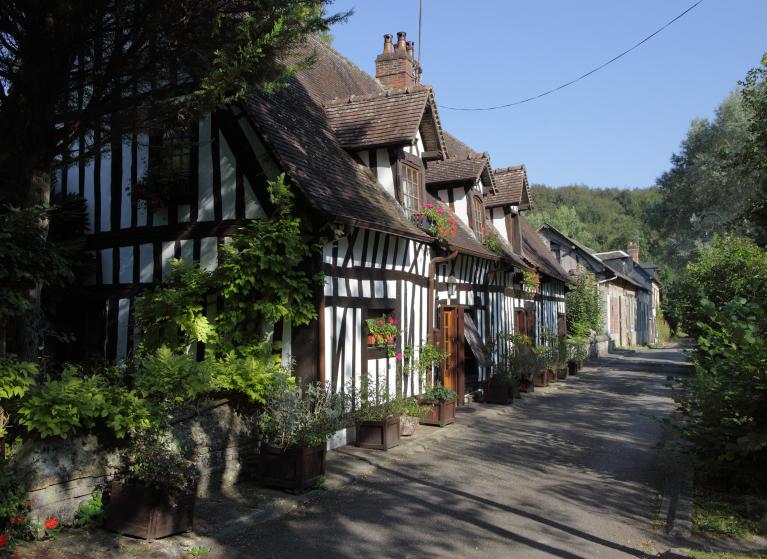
x,y
441,414
551,375
540,379
498,393
526,386
572,367
562,373
379,435
295,469
145,512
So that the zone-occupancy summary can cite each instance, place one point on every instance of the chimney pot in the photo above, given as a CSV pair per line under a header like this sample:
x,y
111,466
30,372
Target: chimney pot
x,y
410,47
633,250
401,47
388,47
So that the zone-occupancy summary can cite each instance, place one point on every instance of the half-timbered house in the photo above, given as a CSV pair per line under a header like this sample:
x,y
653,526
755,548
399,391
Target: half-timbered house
x,y
363,153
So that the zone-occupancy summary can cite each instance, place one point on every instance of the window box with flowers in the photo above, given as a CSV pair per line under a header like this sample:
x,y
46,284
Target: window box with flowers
x,y
155,497
382,332
491,241
437,220
531,281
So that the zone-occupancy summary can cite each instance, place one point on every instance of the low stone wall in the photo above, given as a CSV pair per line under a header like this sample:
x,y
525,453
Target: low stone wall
x,y
60,474
599,346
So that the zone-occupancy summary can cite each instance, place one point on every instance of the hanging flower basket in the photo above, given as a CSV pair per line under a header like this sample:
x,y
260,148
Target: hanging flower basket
x,y
531,281
491,240
437,220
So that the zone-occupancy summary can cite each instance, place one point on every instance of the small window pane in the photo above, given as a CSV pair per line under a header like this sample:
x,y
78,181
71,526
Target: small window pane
x,y
411,189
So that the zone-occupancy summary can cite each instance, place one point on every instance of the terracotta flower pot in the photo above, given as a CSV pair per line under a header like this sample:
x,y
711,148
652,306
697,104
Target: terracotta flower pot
x,y
371,339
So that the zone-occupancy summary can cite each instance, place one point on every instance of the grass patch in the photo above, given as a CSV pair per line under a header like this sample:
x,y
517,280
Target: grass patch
x,y
724,555
727,515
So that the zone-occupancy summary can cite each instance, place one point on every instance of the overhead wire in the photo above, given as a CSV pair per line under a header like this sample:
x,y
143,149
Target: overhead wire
x,y
582,76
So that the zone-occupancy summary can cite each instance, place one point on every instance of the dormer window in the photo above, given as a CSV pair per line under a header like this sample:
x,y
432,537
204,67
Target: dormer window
x,y
411,185
477,217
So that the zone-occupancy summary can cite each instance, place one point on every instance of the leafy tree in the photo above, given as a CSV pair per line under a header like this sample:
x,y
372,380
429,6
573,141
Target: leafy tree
x,y
78,77
754,91
566,220
727,268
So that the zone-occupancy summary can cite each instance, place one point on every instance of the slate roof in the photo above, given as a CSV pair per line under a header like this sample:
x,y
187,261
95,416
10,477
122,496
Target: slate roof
x,y
455,170
510,183
612,254
536,251
292,123
380,119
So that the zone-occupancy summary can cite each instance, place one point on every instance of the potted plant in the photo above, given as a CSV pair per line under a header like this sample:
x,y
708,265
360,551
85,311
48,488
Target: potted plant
x,y
541,376
441,405
499,388
155,495
296,423
524,362
562,357
382,331
412,415
377,414
577,354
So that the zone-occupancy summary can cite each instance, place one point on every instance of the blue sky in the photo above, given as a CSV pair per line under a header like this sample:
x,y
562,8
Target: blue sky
x,y
618,127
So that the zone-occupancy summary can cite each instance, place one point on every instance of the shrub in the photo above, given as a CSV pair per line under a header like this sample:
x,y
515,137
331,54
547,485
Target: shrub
x,y
438,393
584,309
726,399
303,416
91,513
154,460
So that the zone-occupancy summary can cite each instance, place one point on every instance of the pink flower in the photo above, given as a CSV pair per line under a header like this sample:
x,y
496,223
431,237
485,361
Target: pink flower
x,y
440,211
398,357
430,206
390,340
392,320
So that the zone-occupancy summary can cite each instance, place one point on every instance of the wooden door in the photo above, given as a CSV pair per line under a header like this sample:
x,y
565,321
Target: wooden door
x,y
449,345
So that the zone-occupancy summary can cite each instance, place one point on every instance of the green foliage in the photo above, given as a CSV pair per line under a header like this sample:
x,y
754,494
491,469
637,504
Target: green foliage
x,y
491,240
601,218
59,407
375,402
577,349
301,416
91,513
584,308
16,377
156,461
251,373
716,514
14,507
29,258
726,399
727,268
261,274
176,306
169,378
428,357
439,393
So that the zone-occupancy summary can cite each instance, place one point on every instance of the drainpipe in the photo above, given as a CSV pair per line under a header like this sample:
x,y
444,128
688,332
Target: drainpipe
x,y
432,288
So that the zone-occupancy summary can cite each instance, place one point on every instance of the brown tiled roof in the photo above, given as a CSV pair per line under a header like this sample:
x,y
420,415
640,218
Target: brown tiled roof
x,y
292,123
536,251
376,120
456,148
455,170
510,188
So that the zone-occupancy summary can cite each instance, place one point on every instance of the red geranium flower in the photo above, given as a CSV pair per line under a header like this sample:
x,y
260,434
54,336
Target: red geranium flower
x,y
51,523
3,540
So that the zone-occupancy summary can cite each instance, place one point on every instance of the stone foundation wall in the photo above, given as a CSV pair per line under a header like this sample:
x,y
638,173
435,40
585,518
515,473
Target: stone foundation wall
x,y
60,474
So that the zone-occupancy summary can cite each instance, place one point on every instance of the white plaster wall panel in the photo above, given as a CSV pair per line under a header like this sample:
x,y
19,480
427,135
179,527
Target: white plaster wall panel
x,y
461,205
89,192
342,291
343,244
168,249
384,171
287,342
354,288
378,288
146,263
184,213
205,173
123,312
366,288
499,222
187,250
142,160
125,187
228,179
126,265
209,253
160,216
328,286
329,337
357,249
253,208
265,160
106,193
106,266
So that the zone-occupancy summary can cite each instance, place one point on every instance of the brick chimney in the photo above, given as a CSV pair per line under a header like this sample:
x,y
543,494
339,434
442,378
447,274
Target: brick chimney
x,y
633,250
396,68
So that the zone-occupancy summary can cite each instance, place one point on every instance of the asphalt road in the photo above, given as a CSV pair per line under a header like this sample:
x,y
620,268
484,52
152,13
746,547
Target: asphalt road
x,y
572,471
